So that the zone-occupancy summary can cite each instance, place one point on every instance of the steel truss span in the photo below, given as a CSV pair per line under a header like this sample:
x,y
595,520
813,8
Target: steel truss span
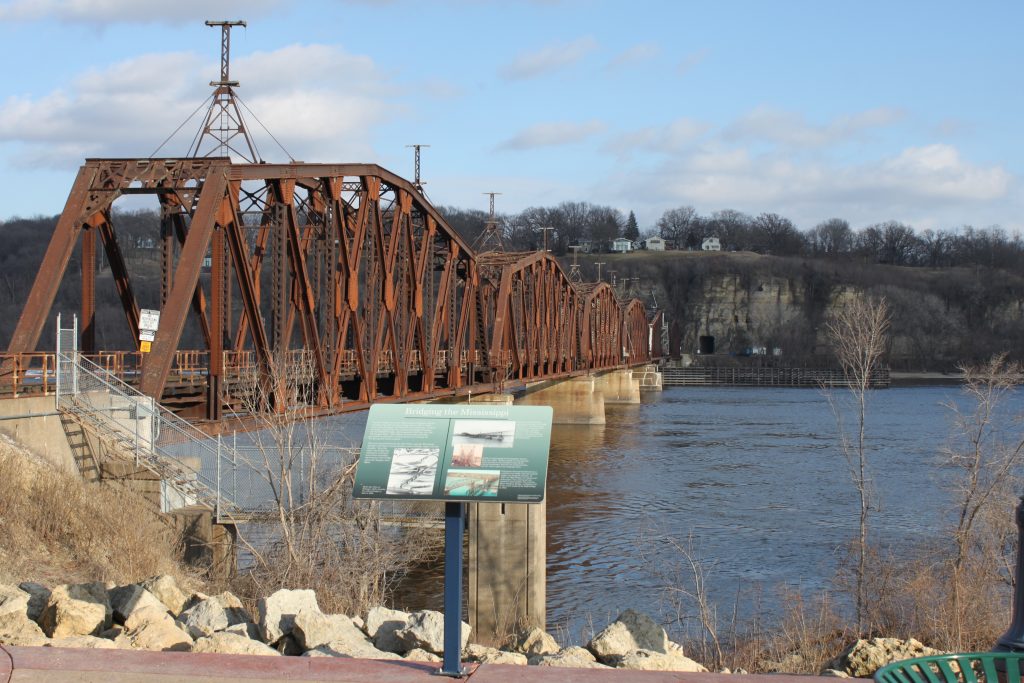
x,y
325,285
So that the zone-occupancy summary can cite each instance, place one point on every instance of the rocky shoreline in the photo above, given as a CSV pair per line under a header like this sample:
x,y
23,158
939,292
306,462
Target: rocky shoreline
x,y
157,615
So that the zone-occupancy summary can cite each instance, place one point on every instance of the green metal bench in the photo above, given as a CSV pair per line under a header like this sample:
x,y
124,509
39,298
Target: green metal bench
x,y
974,667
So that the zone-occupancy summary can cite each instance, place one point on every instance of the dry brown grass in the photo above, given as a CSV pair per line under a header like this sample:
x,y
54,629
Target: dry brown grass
x,y
55,528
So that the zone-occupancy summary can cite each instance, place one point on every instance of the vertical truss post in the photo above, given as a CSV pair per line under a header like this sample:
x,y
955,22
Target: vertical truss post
x,y
89,290
217,331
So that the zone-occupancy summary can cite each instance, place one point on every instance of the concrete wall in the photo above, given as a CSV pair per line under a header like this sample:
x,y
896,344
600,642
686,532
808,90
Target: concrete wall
x,y
43,435
507,569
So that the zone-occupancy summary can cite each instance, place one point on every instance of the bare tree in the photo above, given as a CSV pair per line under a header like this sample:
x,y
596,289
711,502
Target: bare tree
x,y
308,531
858,333
986,451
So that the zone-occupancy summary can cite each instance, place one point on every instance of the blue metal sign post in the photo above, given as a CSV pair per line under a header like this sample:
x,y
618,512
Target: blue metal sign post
x,y
454,526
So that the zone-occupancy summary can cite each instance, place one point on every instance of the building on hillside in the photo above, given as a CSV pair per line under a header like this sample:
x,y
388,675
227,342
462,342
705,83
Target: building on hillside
x,y
585,246
620,245
711,244
654,244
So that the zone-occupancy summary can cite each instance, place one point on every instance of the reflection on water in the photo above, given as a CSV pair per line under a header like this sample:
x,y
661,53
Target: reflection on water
x,y
753,474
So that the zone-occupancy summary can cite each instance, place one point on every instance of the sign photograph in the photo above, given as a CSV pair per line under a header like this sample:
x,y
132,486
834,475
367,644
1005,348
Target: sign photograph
x,y
485,452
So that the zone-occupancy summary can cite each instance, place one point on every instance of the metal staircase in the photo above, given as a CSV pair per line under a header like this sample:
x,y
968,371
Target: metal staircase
x,y
191,465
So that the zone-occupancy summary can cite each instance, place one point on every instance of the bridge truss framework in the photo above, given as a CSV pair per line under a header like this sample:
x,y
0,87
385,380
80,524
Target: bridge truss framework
x,y
342,275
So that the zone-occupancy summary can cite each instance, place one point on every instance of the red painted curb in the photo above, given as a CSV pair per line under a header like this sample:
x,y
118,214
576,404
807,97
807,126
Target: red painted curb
x,y
6,666
62,664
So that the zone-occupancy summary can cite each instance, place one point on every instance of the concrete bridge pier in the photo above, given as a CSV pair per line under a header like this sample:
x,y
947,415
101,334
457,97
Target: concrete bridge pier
x,y
650,378
507,563
619,386
576,401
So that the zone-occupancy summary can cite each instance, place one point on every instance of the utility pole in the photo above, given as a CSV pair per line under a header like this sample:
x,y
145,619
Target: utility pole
x,y
545,231
490,238
612,273
417,183
223,121
599,264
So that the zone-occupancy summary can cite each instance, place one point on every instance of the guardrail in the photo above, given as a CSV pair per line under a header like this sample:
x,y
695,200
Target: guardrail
x,y
764,376
191,465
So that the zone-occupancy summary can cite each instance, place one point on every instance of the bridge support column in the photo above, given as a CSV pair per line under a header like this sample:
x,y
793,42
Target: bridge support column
x,y
619,386
507,569
576,401
649,377
507,563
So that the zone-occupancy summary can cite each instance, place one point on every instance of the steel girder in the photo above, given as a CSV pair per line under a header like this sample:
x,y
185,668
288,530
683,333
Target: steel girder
x,y
372,296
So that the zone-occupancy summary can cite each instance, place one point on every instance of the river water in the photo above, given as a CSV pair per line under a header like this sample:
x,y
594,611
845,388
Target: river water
x,y
750,479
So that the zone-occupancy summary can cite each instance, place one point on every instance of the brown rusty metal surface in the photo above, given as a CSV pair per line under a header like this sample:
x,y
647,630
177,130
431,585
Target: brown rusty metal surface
x,y
373,296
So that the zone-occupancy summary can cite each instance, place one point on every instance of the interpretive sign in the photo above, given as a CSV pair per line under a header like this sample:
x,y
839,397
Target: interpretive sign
x,y
466,452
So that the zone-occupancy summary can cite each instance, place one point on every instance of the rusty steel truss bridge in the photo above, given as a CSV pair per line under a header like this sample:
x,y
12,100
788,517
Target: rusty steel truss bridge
x,y
322,286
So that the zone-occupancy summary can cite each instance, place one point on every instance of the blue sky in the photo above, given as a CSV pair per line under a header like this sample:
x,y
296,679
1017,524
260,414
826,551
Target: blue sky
x,y
869,111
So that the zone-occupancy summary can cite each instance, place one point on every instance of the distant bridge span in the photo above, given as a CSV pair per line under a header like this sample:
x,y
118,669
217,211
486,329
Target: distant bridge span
x,y
341,275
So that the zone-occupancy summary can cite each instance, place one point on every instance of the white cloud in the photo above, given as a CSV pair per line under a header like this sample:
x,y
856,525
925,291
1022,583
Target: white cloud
x,y
130,11
641,52
320,112
670,138
552,134
545,60
792,129
927,186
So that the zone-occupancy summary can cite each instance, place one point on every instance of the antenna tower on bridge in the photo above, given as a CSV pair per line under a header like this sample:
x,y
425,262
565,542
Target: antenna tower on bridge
x,y
417,183
490,238
575,275
224,124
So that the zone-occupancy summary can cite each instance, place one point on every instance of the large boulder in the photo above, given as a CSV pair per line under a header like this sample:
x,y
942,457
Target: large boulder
x,y
277,611
425,629
382,624
76,610
17,629
13,599
630,632
865,657
83,642
570,657
419,655
154,629
247,629
124,600
646,660
39,594
166,590
491,655
232,644
536,641
312,628
350,650
213,614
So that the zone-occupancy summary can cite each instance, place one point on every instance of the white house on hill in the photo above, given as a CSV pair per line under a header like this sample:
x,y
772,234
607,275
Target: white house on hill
x,y
622,246
711,244
654,244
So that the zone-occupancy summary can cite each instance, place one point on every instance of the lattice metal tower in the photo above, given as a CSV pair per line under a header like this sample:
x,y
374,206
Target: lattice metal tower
x,y
575,274
224,132
490,239
417,182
